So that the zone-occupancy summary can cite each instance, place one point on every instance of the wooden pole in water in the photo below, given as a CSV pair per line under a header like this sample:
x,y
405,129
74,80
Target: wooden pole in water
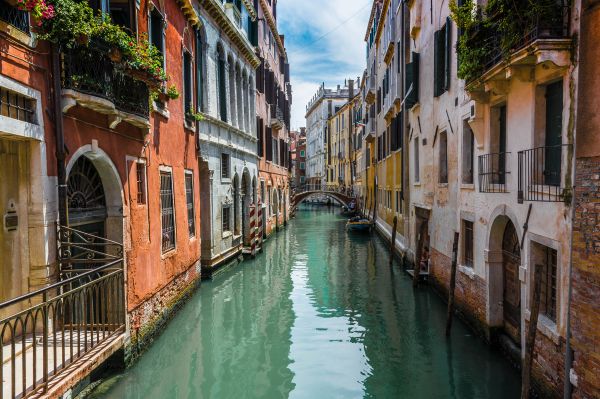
x,y
452,285
393,243
532,330
420,239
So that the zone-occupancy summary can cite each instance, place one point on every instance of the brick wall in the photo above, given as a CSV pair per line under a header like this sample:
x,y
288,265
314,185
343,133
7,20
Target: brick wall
x,y
585,302
469,295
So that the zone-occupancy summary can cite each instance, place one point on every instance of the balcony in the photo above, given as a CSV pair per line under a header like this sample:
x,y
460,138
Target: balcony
x,y
91,80
277,119
492,172
541,174
11,15
371,91
500,57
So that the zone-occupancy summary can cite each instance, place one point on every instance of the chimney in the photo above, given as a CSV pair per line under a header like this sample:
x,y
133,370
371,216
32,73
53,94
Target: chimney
x,y
350,89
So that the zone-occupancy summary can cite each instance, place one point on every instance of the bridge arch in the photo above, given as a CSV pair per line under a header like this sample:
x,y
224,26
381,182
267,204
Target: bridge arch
x,y
341,198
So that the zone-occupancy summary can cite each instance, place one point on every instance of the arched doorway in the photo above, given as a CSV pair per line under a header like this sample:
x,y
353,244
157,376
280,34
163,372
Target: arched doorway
x,y
236,205
86,199
246,202
511,297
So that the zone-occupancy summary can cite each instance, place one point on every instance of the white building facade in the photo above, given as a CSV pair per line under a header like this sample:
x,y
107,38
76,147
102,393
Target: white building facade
x,y
227,133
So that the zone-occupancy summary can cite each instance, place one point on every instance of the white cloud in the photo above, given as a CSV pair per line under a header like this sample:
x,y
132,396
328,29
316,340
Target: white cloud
x,y
325,43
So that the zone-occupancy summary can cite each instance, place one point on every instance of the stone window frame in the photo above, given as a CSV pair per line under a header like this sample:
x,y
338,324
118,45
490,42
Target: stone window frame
x,y
21,128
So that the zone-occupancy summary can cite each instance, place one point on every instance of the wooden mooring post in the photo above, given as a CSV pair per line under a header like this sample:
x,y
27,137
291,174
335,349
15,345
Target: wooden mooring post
x,y
417,268
393,242
452,284
531,332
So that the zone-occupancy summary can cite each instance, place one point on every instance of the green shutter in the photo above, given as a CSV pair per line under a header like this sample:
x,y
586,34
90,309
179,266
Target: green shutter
x,y
437,85
412,78
447,53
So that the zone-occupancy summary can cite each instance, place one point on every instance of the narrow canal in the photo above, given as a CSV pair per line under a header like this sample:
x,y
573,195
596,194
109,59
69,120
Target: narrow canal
x,y
320,314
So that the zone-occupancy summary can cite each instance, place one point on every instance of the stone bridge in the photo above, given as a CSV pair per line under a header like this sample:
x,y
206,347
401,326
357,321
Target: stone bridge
x,y
299,197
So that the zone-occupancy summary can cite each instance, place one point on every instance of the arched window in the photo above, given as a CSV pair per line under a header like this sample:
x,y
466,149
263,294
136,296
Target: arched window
x,y
232,91
221,86
239,95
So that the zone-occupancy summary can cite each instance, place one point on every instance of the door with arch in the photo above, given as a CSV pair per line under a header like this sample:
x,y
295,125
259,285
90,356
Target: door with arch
x,y
511,301
87,213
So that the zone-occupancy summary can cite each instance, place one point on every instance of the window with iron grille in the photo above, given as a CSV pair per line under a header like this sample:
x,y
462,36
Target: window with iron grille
x,y
156,31
225,166
468,243
189,199
16,106
548,294
167,211
226,218
187,83
140,172
468,149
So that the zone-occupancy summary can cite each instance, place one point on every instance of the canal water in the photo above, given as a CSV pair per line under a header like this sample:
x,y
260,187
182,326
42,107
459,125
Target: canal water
x,y
319,314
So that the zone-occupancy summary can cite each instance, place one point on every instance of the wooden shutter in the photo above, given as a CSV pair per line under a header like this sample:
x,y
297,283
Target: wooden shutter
x,y
447,53
437,84
269,141
412,78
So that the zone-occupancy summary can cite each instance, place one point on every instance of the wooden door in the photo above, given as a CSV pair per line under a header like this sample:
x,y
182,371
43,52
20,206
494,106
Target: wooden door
x,y
511,260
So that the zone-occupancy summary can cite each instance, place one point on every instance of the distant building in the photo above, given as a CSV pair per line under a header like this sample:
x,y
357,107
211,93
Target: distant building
x,y
299,168
323,104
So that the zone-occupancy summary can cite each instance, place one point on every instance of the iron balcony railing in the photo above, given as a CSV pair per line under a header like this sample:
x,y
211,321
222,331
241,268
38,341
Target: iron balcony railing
x,y
88,69
492,172
47,330
13,16
554,24
540,174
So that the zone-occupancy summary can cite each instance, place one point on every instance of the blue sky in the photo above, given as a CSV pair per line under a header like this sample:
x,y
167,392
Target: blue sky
x,y
325,43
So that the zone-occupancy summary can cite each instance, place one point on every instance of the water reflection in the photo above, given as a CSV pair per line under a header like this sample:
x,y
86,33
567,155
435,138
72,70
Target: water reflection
x,y
320,314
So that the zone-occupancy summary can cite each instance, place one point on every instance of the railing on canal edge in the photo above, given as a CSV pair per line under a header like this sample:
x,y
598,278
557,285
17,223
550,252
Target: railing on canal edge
x,y
49,329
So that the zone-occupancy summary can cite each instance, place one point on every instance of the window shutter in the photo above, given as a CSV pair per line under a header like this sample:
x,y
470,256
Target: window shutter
x,y
394,143
447,53
412,78
437,86
253,31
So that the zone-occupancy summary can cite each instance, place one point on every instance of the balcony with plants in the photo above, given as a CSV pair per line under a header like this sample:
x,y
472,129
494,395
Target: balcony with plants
x,y
506,39
104,67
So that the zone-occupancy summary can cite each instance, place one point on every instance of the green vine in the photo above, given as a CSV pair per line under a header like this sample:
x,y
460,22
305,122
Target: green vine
x,y
498,29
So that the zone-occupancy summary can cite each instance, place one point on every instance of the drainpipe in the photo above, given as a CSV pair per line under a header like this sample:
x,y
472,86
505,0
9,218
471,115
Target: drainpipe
x,y
405,194
63,218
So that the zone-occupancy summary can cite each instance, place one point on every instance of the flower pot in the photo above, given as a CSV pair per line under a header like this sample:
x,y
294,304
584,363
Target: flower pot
x,y
83,39
115,55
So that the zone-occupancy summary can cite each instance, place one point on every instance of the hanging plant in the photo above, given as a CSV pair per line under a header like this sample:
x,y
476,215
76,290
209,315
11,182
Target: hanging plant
x,y
172,92
39,10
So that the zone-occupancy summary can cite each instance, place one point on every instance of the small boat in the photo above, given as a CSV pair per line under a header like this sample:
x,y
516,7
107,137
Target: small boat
x,y
348,211
358,224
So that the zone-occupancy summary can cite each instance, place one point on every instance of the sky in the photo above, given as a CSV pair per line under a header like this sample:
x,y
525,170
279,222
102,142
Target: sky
x,y
325,43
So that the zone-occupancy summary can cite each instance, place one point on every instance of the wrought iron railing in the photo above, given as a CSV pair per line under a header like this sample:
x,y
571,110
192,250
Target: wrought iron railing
x,y
88,69
540,174
488,37
492,172
45,331
13,16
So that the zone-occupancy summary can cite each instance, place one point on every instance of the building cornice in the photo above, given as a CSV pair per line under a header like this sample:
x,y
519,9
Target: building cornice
x,y
216,11
371,19
189,12
273,26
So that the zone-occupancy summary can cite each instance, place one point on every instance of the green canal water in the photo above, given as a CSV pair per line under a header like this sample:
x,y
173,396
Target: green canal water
x,y
319,314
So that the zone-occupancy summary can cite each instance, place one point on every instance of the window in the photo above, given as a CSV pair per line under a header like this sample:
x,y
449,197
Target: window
x,y
226,218
16,106
187,82
156,31
467,243
302,166
468,144
442,51
260,129
140,173
546,258
221,85
225,166
199,72
189,198
398,201
302,153
15,17
443,152
416,159
167,211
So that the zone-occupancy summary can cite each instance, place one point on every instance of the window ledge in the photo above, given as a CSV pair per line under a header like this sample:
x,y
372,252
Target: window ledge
x,y
443,185
546,326
417,184
170,253
225,180
467,271
226,234
467,186
163,111
189,125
